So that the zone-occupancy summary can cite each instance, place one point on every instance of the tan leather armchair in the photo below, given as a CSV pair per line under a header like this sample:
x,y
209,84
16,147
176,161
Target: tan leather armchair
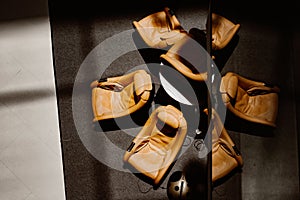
x,y
225,155
223,31
160,29
188,57
250,100
156,146
122,95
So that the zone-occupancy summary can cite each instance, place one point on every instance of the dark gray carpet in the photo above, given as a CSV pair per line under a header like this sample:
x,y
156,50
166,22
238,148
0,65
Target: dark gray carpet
x,y
263,50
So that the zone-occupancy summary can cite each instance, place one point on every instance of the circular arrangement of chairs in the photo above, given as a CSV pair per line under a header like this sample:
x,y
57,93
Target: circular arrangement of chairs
x,y
156,146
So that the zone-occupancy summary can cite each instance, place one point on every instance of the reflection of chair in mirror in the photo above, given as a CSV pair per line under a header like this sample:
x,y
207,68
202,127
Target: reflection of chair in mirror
x,y
225,155
160,29
250,100
157,145
188,57
122,95
223,31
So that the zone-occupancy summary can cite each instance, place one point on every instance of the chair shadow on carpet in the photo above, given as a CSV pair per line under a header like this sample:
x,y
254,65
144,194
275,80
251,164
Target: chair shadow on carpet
x,y
133,120
237,124
222,55
234,172
146,179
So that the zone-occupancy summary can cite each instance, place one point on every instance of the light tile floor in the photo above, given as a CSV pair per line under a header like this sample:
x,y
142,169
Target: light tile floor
x,y
30,152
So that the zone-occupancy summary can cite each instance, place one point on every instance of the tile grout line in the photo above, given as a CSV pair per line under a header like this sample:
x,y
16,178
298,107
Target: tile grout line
x,y
30,191
33,130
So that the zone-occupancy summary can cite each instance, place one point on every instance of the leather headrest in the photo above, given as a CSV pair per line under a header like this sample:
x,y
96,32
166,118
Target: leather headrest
x,y
142,82
229,85
168,118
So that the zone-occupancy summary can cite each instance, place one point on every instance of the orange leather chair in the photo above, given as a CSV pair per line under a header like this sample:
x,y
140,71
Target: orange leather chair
x,y
156,146
188,57
122,95
225,155
250,100
161,29
223,31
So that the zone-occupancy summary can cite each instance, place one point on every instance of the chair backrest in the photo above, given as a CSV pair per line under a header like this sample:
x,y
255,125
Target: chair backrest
x,y
160,29
134,84
142,82
167,123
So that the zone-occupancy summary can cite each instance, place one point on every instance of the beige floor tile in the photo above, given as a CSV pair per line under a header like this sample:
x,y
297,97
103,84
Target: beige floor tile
x,y
11,127
30,152
35,165
32,197
11,188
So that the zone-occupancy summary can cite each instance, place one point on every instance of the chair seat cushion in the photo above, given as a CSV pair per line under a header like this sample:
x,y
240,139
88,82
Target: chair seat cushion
x,y
151,155
109,101
147,161
260,106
